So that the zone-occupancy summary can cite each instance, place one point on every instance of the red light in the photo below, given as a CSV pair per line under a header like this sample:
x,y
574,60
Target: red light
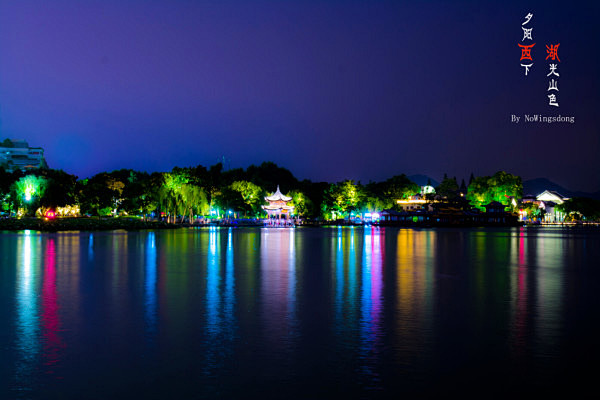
x,y
50,214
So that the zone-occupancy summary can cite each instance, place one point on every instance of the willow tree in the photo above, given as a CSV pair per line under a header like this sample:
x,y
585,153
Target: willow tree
x,y
180,196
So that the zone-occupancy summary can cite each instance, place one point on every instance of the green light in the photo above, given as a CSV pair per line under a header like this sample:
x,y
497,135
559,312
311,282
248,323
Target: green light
x,y
30,187
29,192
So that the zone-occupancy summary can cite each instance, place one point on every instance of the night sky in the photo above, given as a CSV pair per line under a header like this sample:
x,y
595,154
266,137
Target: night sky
x,y
328,89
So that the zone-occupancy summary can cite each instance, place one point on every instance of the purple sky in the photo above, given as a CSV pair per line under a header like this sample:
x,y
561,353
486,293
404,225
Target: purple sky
x,y
329,90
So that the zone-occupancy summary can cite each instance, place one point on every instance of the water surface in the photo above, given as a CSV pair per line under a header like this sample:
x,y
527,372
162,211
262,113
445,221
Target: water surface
x,y
298,313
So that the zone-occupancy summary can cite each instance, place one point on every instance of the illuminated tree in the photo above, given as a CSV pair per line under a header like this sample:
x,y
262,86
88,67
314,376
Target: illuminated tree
x,y
342,198
180,196
533,211
499,187
302,204
6,181
374,204
252,195
28,191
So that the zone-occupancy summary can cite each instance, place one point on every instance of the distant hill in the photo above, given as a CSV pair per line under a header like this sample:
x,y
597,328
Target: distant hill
x,y
538,185
421,180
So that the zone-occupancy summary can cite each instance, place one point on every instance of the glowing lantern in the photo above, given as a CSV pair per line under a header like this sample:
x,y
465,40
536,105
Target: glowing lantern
x,y
50,214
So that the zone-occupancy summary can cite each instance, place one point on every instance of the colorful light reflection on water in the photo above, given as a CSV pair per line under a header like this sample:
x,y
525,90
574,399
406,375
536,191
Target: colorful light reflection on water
x,y
360,312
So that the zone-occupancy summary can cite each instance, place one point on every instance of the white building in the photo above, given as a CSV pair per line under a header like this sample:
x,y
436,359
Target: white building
x,y
16,154
427,189
548,200
551,195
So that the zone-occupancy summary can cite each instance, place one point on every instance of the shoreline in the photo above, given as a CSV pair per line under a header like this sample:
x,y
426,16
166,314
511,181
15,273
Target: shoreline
x,y
134,224
81,224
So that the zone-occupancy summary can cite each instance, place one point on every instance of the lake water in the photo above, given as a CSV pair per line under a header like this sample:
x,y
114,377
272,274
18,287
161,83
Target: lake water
x,y
299,313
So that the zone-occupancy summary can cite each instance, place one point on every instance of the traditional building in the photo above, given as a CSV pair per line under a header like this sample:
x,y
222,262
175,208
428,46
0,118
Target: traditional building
x,y
548,200
551,195
278,206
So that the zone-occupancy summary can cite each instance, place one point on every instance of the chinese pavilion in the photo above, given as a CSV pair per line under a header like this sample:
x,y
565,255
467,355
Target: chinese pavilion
x,y
278,206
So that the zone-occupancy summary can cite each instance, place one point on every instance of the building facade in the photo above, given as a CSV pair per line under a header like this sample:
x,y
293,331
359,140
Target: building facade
x,y
549,199
17,155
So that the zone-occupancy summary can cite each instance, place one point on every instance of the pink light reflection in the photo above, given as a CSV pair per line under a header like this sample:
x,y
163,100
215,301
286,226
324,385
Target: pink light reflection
x,y
50,320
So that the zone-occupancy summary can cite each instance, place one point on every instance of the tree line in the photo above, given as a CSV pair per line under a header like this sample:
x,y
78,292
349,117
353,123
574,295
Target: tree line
x,y
189,192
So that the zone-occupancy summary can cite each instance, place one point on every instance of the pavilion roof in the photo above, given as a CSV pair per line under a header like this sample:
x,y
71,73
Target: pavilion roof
x,y
290,208
277,196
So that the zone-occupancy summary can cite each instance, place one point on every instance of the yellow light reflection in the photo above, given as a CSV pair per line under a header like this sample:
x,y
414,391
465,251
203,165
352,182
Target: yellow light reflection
x,y
549,290
415,287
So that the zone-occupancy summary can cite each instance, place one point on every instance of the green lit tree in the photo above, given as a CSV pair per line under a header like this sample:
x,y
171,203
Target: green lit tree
x,y
6,181
342,198
533,211
251,194
179,195
374,204
500,187
303,205
28,192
